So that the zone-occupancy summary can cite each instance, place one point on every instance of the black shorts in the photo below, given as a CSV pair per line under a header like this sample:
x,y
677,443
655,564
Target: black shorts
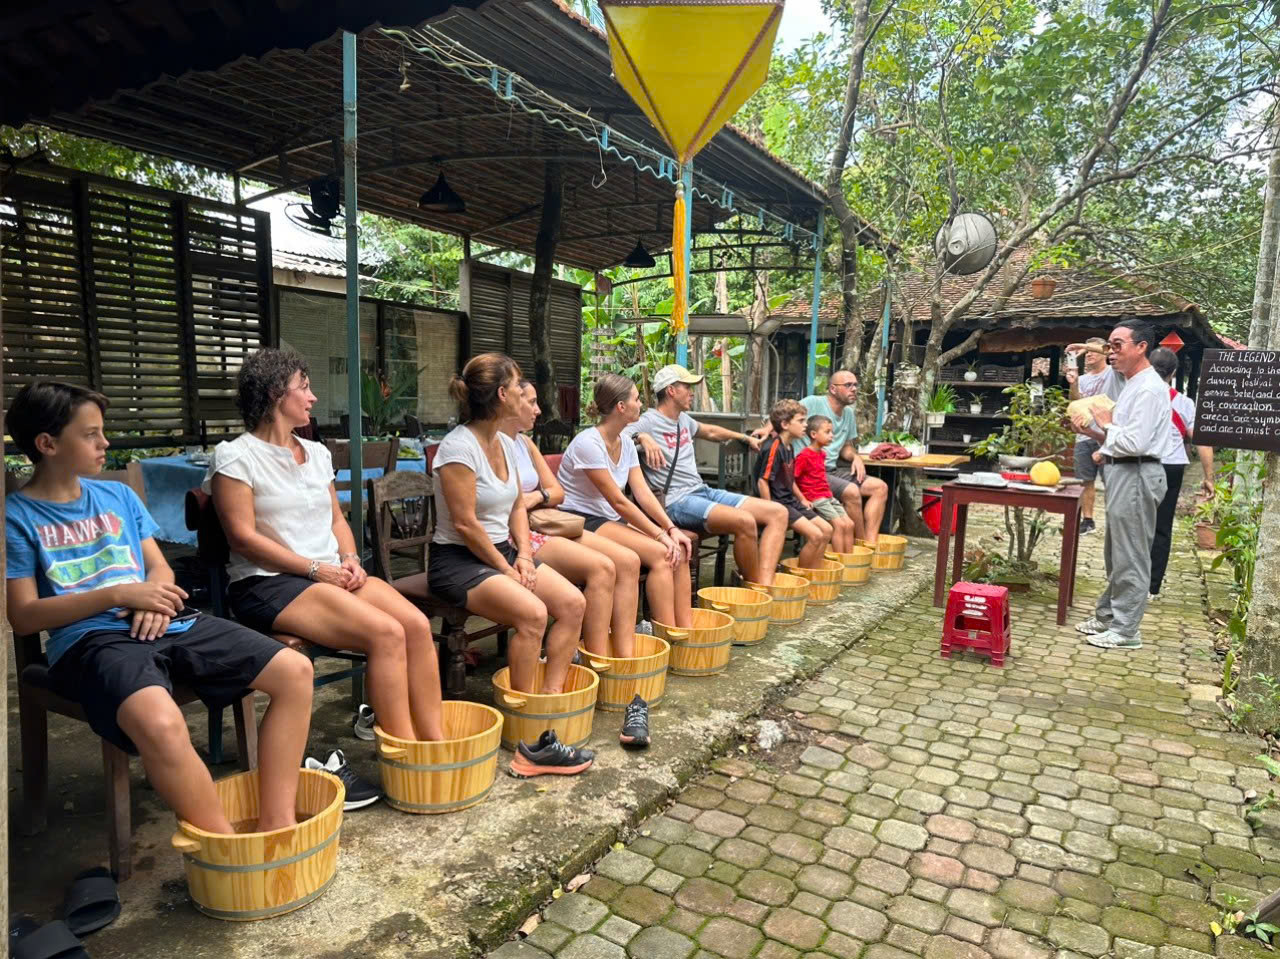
x,y
795,511
453,570
590,521
215,657
256,601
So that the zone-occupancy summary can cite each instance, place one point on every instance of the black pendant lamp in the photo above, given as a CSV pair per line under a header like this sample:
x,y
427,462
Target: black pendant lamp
x,y
441,198
639,258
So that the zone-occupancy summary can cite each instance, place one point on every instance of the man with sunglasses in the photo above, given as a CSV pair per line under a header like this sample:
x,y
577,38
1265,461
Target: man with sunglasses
x,y
1133,438
846,473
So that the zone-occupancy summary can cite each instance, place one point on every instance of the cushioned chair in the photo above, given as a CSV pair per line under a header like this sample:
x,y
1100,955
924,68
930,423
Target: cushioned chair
x,y
402,517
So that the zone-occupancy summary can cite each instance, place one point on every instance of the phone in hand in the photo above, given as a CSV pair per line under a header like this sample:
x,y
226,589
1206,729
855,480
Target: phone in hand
x,y
183,615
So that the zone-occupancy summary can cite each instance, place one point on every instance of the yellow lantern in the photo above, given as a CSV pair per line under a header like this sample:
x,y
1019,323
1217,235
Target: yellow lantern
x,y
689,65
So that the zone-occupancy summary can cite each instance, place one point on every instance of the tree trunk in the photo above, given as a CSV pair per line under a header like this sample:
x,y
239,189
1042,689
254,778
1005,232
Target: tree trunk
x,y
757,314
1269,246
540,288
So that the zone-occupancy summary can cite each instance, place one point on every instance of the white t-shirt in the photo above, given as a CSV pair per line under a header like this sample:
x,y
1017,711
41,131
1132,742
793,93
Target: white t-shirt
x,y
524,463
494,497
587,452
674,438
292,503
1175,453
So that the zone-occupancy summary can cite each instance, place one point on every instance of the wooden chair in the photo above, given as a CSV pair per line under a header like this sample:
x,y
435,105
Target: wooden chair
x,y
131,476
36,699
379,454
214,552
402,514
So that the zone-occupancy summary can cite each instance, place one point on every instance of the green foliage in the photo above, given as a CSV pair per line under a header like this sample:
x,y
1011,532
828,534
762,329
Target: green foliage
x,y
1036,427
1236,509
383,398
942,399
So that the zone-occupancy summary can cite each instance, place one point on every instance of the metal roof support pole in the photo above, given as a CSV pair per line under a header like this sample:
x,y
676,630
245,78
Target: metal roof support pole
x,y
682,338
817,300
355,419
882,366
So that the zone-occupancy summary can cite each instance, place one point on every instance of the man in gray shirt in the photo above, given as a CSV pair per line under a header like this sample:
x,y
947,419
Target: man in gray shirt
x,y
1133,437
666,432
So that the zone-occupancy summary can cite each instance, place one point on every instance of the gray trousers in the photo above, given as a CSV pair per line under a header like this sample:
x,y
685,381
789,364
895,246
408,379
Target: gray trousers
x,y
1134,492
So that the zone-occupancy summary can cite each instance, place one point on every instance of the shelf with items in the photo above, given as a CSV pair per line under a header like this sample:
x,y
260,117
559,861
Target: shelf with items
x,y
961,415
977,384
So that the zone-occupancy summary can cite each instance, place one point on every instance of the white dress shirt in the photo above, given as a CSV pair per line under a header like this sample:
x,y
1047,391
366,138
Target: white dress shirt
x,y
1175,454
1140,421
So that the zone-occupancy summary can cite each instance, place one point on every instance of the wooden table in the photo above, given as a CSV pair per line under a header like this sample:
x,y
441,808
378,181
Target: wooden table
x,y
933,461
958,497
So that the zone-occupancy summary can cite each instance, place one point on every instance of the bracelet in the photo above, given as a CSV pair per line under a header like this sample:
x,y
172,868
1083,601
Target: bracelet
x,y
355,556
311,572
521,556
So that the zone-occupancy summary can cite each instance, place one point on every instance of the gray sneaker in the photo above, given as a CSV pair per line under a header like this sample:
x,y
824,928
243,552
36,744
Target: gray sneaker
x,y
1092,626
1113,640
363,725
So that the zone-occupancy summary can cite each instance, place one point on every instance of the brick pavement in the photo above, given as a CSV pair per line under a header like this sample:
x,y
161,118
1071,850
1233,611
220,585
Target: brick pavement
x,y
1077,803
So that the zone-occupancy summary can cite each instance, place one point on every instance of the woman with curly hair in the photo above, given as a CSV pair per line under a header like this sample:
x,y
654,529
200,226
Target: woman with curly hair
x,y
293,574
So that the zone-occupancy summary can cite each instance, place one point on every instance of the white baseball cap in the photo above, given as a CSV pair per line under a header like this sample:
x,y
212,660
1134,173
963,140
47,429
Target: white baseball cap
x,y
673,373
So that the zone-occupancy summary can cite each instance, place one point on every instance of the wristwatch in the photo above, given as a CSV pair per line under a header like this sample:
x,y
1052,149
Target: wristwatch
x,y
546,497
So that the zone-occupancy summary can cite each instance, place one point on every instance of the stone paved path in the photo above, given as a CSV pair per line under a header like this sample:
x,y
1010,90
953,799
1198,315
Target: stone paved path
x,y
1076,803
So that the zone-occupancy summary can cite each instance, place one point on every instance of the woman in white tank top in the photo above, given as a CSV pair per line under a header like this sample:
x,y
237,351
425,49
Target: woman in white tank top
x,y
609,573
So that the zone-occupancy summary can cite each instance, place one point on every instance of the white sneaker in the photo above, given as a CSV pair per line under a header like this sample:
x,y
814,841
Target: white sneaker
x,y
363,726
1091,626
1152,597
1113,640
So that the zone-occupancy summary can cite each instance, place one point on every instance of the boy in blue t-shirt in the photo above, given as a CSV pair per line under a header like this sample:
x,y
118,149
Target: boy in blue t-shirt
x,y
83,565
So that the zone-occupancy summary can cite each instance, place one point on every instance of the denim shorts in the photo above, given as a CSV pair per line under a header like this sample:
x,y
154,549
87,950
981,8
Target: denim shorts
x,y
691,511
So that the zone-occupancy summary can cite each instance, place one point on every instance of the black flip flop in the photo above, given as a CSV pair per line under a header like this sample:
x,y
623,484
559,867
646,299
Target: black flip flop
x,y
92,901
53,940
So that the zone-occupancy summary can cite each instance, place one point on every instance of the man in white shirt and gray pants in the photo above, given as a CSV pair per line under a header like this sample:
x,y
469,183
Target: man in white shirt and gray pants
x,y
1133,437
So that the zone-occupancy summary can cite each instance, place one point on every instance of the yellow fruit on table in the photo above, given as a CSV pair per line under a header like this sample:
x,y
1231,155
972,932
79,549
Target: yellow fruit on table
x,y
1045,474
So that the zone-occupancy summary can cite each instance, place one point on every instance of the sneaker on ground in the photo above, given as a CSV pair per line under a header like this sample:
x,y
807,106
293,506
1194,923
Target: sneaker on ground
x,y
1087,525
635,724
363,726
644,628
1113,640
360,792
1091,626
1152,597
549,756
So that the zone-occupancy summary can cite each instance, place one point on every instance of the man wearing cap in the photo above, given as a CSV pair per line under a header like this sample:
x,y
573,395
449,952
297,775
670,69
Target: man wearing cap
x,y
1133,436
1098,377
666,432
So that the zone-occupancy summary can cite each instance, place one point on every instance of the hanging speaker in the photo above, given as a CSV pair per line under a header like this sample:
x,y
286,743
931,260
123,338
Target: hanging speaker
x,y
966,244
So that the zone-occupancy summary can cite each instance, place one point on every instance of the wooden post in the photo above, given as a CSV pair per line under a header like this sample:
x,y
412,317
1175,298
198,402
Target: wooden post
x,y
540,288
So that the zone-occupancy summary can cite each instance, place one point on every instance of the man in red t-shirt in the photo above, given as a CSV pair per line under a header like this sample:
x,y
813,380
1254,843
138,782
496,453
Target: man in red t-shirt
x,y
811,480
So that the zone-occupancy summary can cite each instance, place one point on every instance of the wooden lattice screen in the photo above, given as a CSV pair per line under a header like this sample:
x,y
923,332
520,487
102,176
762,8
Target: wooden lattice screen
x,y
149,296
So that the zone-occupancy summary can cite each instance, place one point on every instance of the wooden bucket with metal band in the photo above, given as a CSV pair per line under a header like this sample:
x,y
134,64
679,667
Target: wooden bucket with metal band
x,y
750,609
891,553
443,776
701,649
824,582
256,875
789,595
623,678
857,565
526,716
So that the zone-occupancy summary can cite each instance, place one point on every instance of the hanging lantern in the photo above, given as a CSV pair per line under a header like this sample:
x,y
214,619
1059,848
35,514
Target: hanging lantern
x,y
689,65
1173,341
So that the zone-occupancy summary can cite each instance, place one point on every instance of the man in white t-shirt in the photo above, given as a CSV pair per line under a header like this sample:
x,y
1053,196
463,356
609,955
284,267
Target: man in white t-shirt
x,y
666,432
1098,378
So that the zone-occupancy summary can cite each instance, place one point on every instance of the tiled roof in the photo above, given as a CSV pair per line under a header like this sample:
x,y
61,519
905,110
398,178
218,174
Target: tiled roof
x,y
1087,292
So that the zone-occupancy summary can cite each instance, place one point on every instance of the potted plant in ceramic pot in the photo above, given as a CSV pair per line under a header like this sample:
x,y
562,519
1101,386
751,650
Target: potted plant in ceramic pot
x,y
941,402
975,405
1207,520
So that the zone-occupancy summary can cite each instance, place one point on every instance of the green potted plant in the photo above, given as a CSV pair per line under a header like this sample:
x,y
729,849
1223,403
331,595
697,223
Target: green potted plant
x,y
971,374
941,402
1207,520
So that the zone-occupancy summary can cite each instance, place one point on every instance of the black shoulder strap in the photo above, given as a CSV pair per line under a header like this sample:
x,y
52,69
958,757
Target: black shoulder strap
x,y
671,470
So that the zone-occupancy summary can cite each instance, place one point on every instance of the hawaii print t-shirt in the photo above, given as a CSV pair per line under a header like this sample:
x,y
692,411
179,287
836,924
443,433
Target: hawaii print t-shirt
x,y
90,543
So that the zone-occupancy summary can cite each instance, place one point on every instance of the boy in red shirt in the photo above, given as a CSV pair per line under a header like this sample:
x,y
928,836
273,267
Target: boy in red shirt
x,y
775,480
811,480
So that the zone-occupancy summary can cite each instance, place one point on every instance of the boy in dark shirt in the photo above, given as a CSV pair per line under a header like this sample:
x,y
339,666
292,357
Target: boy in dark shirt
x,y
775,480
83,564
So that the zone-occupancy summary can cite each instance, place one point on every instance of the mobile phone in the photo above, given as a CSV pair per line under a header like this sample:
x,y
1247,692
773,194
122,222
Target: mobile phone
x,y
183,615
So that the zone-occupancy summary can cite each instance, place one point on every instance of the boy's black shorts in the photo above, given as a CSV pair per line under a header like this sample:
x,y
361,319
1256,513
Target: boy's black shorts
x,y
215,657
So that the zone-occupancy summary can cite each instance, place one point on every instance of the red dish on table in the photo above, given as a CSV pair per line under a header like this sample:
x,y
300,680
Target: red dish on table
x,y
1017,477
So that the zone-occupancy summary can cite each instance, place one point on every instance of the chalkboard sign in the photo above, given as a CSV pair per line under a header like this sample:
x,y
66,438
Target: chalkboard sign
x,y
1238,400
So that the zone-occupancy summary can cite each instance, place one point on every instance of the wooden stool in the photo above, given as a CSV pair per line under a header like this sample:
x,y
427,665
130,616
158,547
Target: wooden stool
x,y
977,617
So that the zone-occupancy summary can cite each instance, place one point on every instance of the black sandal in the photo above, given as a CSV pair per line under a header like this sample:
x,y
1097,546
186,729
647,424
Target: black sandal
x,y
92,901
53,940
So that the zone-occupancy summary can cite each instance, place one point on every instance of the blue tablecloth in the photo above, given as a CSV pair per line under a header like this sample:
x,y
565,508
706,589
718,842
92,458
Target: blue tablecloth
x,y
373,472
167,479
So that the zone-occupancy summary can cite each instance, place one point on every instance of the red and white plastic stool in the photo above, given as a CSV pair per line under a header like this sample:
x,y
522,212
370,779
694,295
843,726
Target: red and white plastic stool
x,y
977,618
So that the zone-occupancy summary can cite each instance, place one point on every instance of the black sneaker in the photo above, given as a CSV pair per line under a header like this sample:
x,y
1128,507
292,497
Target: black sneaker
x,y
1087,526
550,756
635,725
360,792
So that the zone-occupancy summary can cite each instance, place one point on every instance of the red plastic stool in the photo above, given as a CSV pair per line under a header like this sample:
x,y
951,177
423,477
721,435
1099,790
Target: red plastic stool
x,y
978,618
